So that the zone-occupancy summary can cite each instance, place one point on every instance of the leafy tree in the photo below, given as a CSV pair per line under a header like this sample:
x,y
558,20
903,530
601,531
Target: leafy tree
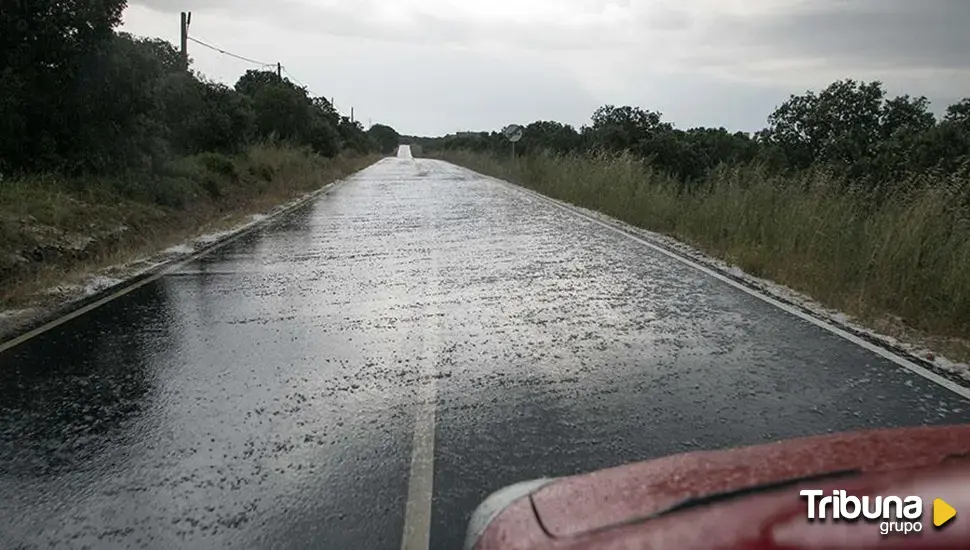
x,y
225,122
959,113
554,136
110,118
285,111
473,141
905,115
322,136
76,97
45,44
850,116
840,125
386,137
903,121
850,128
323,105
50,36
254,80
946,146
718,146
624,128
281,111
354,137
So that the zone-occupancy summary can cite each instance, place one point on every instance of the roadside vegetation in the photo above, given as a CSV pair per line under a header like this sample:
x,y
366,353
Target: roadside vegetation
x,y
859,200
111,147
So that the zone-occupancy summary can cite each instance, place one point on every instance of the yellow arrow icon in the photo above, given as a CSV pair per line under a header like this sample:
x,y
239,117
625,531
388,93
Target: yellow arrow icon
x,y
942,512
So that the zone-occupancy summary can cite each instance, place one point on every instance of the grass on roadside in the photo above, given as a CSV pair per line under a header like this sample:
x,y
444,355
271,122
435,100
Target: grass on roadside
x,y
55,230
901,265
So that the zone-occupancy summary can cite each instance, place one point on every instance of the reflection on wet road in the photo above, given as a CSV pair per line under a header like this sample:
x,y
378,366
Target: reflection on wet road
x,y
420,319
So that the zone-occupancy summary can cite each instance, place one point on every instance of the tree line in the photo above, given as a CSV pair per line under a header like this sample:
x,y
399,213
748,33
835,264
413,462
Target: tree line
x,y
78,97
851,128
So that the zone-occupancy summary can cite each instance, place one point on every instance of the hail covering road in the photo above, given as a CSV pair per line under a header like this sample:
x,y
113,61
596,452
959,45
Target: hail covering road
x,y
362,372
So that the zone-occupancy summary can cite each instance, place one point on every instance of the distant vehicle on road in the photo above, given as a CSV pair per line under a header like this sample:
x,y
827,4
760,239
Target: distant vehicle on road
x,y
897,488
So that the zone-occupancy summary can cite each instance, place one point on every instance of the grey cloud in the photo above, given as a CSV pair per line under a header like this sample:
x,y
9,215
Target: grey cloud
x,y
872,33
356,20
468,91
666,18
714,68
283,14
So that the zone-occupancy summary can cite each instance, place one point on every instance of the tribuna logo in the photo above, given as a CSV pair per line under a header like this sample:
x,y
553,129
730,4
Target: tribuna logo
x,y
894,514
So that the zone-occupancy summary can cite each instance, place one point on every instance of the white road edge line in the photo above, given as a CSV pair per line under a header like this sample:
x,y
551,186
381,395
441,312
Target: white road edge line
x,y
878,350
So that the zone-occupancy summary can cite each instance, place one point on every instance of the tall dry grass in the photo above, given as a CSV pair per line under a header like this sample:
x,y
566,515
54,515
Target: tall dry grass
x,y
906,256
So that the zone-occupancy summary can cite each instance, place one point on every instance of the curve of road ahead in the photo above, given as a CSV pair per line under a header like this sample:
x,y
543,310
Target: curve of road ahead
x,y
390,354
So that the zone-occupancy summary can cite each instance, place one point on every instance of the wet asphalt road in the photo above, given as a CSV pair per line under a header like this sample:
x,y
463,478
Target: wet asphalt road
x,y
268,395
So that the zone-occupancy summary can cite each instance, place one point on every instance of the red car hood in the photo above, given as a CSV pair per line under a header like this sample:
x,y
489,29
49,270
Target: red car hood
x,y
745,498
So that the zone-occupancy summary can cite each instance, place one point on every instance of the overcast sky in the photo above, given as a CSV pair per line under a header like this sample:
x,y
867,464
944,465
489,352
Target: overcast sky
x,y
430,67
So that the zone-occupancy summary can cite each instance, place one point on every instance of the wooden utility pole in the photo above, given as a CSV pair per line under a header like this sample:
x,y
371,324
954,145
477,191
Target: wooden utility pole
x,y
186,21
279,71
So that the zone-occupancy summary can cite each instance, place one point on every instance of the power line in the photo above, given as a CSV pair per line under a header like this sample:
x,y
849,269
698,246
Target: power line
x,y
230,54
293,78
243,58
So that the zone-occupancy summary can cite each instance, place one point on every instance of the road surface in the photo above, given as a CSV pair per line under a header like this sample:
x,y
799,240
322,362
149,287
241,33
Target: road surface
x,y
363,371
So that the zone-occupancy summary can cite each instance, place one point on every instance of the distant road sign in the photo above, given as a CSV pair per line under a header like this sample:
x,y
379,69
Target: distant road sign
x,y
513,132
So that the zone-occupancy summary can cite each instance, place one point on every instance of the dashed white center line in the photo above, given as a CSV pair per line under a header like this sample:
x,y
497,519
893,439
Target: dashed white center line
x,y
417,514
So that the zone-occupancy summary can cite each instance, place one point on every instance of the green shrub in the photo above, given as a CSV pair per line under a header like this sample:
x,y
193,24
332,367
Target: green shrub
x,y
219,164
264,172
